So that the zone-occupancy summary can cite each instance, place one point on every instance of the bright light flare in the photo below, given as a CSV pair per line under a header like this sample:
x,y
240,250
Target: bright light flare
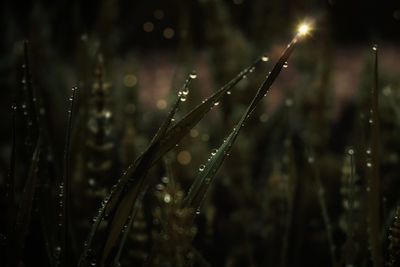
x,y
304,29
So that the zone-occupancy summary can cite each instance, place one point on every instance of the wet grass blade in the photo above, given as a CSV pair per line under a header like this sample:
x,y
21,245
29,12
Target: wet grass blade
x,y
136,180
374,183
130,178
202,182
65,186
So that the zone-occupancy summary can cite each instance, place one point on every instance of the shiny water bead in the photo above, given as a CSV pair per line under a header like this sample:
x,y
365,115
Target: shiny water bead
x,y
265,58
193,75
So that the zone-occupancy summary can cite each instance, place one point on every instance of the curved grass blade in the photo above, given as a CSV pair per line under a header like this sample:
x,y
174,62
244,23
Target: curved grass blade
x,y
202,182
137,169
183,126
374,184
137,182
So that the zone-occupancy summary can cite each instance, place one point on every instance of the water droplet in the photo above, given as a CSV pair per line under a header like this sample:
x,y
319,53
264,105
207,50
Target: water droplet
x,y
159,187
167,198
183,98
285,65
252,69
375,47
311,160
197,212
91,182
193,75
368,151
214,151
228,92
202,167
265,58
165,180
216,103
370,121
350,151
185,91
168,33
369,164
148,26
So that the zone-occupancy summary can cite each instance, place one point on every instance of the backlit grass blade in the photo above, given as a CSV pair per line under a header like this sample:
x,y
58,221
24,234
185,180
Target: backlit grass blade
x,y
202,182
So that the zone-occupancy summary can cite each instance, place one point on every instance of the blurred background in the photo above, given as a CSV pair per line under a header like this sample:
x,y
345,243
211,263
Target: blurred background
x,y
264,208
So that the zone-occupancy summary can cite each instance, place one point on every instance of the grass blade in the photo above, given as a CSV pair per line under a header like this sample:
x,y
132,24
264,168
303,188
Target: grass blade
x,y
65,186
132,175
137,182
201,184
374,184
